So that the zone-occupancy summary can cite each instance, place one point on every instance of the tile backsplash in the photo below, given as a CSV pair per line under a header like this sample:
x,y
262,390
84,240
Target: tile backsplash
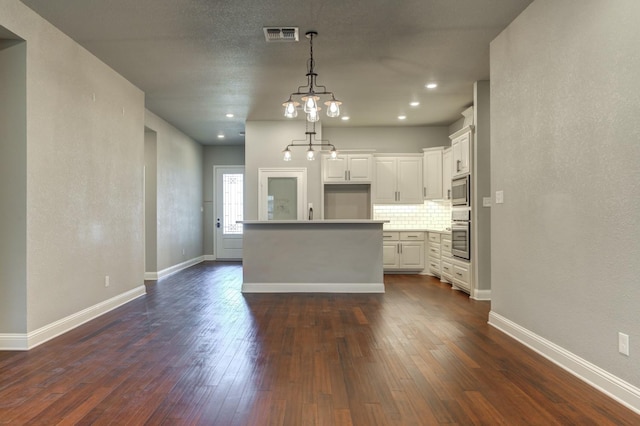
x,y
435,215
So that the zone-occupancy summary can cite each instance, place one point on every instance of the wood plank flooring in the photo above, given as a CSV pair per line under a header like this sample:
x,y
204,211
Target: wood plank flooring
x,y
194,350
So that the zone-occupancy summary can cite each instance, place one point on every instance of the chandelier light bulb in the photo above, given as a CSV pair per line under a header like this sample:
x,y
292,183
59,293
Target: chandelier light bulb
x,y
313,116
333,108
290,109
286,154
334,153
310,154
310,103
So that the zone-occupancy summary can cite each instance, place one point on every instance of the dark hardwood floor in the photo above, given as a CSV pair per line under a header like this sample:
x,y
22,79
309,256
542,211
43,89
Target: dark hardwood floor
x,y
194,350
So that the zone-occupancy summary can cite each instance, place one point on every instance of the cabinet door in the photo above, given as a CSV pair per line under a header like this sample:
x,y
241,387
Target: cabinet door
x,y
411,255
385,170
447,167
334,170
359,168
460,147
433,174
390,255
410,180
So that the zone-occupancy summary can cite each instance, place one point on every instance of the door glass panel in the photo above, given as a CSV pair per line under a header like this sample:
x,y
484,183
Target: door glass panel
x,y
232,205
282,198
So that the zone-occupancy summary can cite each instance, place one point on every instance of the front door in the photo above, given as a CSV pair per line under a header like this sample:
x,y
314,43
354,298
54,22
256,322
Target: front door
x,y
229,186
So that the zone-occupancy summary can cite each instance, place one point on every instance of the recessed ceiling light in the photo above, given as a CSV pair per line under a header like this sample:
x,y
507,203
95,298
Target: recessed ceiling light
x,y
431,85
414,103
345,118
230,115
220,136
402,117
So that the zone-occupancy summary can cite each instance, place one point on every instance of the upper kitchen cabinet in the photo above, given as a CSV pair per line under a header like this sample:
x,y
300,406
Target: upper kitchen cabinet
x,y
447,172
398,179
461,151
347,168
432,186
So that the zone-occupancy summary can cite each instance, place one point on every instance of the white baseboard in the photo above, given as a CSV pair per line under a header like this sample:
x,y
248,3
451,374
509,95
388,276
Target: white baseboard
x,y
313,287
179,267
26,341
209,257
150,276
623,392
481,294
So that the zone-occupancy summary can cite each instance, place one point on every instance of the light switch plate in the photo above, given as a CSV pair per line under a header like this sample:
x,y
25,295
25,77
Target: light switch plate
x,y
486,201
499,197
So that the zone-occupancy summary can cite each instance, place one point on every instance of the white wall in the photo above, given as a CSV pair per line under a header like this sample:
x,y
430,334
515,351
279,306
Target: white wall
x,y
565,148
151,200
84,159
179,195
13,186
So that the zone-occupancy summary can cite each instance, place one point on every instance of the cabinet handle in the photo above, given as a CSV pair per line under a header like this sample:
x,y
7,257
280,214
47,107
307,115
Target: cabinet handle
x,y
424,191
349,171
458,162
345,175
448,194
459,274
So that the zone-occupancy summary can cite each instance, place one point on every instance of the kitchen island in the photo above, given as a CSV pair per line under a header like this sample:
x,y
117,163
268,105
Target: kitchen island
x,y
317,256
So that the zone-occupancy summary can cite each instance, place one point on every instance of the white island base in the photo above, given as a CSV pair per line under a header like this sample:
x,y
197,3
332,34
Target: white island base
x,y
323,256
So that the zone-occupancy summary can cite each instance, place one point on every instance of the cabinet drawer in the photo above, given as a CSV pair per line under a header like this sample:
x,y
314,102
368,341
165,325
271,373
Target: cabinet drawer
x,y
434,266
447,269
461,274
412,236
434,237
446,247
434,250
390,236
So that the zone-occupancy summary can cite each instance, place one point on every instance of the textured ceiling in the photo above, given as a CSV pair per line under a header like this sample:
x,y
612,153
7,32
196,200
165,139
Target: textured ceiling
x,y
197,60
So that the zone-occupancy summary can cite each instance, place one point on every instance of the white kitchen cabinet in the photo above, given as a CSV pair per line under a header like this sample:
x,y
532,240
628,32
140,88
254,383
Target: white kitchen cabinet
x,y
398,179
461,151
403,250
347,168
447,172
434,253
461,276
446,259
432,172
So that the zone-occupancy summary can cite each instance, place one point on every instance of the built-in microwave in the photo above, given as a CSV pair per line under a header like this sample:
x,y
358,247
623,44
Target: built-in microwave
x,y
461,191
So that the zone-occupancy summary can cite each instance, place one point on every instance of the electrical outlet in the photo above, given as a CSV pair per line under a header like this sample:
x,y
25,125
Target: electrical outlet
x,y
623,344
499,197
486,201
106,280
183,252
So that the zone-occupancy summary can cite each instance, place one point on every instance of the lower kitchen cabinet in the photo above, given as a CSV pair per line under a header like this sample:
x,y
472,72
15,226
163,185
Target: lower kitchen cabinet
x,y
403,251
462,276
434,253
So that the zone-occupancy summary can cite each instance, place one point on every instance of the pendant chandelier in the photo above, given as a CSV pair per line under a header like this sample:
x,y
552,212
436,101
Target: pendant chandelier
x,y
310,142
309,95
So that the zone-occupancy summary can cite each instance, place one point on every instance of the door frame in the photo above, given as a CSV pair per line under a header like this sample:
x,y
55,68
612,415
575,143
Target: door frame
x,y
215,202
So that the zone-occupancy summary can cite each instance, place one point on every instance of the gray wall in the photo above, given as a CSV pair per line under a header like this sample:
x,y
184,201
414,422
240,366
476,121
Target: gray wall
x,y
264,143
151,200
482,184
388,139
13,186
179,194
84,159
565,149
266,140
217,155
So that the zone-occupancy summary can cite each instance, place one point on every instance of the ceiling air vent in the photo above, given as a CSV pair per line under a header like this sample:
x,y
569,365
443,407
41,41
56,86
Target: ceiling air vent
x,y
277,34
